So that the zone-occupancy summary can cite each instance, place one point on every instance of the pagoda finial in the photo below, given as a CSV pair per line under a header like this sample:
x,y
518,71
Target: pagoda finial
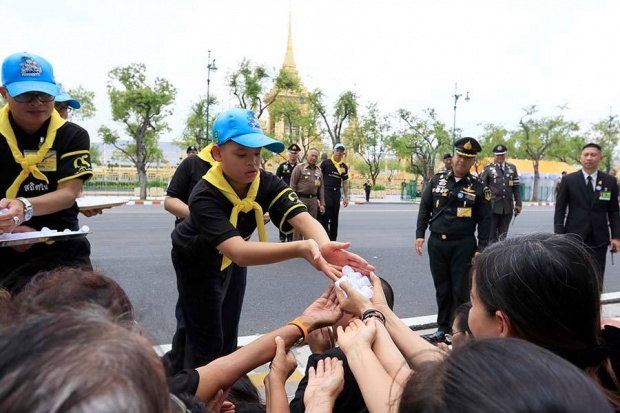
x,y
289,59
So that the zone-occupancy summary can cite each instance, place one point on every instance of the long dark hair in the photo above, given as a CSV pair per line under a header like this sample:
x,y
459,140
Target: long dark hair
x,y
548,287
501,375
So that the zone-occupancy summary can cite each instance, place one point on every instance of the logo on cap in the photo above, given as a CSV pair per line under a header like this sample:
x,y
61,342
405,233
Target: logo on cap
x,y
253,122
30,67
467,145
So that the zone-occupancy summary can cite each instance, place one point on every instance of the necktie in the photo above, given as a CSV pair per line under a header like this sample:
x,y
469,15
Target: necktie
x,y
590,188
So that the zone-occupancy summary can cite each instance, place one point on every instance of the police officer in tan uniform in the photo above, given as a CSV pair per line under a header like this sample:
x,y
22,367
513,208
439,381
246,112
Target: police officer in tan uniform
x,y
502,179
454,205
307,182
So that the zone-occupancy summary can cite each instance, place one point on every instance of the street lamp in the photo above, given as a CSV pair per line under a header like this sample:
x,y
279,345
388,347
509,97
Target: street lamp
x,y
210,67
456,97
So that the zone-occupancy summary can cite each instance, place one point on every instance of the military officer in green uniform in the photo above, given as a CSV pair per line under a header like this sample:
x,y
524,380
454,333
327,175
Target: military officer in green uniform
x,y
284,171
454,204
502,179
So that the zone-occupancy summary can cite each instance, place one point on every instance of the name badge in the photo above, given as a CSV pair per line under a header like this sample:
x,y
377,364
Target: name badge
x,y
317,183
48,163
463,212
511,183
605,196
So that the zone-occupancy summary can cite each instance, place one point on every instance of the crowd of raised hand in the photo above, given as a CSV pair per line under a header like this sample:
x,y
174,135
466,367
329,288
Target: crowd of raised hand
x,y
532,341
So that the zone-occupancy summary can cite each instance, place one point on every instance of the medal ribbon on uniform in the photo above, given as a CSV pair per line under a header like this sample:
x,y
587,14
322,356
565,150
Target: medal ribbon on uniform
x,y
206,155
338,165
215,176
29,162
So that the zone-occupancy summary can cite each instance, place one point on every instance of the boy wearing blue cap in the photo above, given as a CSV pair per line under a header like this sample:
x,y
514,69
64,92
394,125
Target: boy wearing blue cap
x,y
65,104
226,206
44,161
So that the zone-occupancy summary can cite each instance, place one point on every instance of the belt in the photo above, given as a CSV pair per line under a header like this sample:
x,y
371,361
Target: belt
x,y
450,237
306,196
332,189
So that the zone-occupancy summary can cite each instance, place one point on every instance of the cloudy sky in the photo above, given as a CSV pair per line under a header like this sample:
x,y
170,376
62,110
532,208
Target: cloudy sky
x,y
399,53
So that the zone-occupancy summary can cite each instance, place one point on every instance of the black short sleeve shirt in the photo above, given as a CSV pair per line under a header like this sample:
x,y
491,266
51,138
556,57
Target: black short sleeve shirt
x,y
68,158
209,224
332,178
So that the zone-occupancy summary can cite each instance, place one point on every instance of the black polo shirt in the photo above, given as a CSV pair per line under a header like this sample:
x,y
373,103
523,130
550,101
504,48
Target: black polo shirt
x,y
331,176
68,158
209,224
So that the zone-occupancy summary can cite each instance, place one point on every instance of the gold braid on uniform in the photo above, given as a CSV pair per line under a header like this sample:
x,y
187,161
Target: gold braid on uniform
x,y
215,176
338,165
206,155
28,162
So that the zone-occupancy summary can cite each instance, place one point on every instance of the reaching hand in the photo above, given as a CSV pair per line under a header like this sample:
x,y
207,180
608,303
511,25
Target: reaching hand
x,y
283,364
324,311
335,253
312,254
326,381
357,334
354,302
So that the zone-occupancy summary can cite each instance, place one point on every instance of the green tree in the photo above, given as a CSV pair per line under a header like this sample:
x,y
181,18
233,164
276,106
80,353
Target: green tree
x,y
367,136
345,109
420,140
605,132
142,110
250,82
195,131
541,137
86,99
301,123
96,155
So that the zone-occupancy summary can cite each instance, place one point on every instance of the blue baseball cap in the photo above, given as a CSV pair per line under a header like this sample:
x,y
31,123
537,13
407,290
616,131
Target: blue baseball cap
x,y
242,126
26,72
339,146
62,97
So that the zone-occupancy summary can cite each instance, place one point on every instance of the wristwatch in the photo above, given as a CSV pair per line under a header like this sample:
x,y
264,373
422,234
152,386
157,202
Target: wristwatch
x,y
28,210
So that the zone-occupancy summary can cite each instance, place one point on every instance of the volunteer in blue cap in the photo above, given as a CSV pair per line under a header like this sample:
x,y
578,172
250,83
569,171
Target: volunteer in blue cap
x,y
212,247
335,176
44,162
65,104
454,204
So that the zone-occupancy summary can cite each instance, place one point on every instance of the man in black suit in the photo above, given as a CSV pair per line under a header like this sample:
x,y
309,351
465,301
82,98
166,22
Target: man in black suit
x,y
591,197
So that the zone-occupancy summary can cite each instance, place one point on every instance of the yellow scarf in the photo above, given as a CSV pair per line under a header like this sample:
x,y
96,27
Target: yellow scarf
x,y
338,165
205,155
28,163
215,177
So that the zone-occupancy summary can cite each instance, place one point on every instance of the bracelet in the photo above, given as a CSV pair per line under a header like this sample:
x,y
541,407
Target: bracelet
x,y
372,313
302,328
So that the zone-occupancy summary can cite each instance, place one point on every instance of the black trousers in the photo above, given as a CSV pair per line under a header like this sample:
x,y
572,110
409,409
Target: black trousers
x,y
211,303
450,261
499,226
332,210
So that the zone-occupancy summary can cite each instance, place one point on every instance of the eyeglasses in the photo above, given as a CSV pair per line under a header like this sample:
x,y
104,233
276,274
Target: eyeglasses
x,y
449,337
30,96
61,108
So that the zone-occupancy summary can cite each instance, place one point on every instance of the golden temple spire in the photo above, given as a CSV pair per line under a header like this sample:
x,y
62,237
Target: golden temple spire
x,y
289,58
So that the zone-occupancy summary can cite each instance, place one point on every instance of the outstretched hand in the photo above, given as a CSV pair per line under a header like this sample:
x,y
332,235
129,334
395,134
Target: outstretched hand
x,y
284,363
326,381
324,311
357,334
336,253
355,303
312,254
